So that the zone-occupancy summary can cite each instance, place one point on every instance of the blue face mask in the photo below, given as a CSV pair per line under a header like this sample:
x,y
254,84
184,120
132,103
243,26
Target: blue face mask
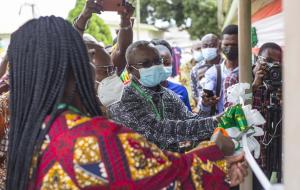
x,y
168,72
152,76
197,55
209,53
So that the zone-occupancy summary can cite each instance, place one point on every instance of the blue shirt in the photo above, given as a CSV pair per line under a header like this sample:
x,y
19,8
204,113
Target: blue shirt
x,y
181,92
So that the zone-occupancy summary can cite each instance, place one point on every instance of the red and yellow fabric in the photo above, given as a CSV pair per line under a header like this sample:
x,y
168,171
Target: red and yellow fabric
x,y
271,9
125,77
94,153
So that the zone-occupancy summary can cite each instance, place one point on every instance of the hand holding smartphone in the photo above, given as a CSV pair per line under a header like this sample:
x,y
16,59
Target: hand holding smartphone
x,y
114,5
209,93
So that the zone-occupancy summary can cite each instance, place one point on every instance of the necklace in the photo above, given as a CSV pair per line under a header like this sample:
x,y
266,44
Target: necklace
x,y
64,106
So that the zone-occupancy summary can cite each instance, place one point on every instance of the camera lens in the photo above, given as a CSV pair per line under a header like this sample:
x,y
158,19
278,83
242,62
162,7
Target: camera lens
x,y
275,75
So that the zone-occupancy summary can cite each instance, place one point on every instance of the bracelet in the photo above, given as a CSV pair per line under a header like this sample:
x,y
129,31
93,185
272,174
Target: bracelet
x,y
126,27
76,26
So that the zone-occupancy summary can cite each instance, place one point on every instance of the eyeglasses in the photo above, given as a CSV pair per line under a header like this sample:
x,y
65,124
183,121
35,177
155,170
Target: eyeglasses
x,y
109,69
268,61
148,63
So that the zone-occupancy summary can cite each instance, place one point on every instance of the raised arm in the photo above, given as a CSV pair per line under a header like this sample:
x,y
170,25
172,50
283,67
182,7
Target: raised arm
x,y
125,37
91,6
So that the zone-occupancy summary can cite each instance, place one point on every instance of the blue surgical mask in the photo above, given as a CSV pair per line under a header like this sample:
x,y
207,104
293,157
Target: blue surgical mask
x,y
197,55
152,76
209,53
168,72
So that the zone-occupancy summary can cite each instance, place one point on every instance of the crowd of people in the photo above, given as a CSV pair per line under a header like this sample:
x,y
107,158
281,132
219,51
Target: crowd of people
x,y
70,120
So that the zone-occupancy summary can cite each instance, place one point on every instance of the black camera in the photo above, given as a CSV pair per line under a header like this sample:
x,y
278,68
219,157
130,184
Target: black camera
x,y
273,74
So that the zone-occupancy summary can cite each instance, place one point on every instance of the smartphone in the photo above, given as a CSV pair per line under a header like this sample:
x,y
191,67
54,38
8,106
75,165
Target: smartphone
x,y
209,93
114,5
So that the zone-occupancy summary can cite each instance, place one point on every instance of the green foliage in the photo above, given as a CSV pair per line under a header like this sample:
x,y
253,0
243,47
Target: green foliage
x,y
204,17
96,26
203,14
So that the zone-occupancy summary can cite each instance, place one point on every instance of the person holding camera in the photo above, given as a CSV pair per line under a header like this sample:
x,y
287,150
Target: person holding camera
x,y
107,65
267,99
268,65
266,70
125,34
266,88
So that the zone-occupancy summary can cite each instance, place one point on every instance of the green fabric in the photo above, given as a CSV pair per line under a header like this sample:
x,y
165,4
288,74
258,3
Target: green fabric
x,y
64,106
234,117
254,39
159,115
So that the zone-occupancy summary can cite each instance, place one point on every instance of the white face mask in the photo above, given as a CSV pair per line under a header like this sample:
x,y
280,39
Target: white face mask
x,y
110,90
209,53
197,55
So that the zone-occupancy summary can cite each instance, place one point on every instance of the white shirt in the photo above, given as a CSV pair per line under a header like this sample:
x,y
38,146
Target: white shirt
x,y
211,84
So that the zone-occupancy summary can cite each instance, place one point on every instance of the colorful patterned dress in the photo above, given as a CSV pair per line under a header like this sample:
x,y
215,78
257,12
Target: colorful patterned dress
x,y
93,153
4,124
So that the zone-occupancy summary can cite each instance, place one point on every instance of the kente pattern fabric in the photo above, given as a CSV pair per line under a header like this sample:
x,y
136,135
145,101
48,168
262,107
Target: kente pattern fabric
x,y
4,124
85,153
177,126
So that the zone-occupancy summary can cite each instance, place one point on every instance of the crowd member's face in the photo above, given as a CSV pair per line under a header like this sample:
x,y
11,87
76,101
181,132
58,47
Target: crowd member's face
x,y
165,55
101,61
143,57
230,46
210,42
271,55
229,41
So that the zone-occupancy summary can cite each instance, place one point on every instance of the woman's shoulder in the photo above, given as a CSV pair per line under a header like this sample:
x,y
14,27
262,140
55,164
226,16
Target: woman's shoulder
x,y
81,144
76,124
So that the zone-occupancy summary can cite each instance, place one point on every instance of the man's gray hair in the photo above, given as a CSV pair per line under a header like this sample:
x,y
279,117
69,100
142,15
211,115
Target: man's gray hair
x,y
132,48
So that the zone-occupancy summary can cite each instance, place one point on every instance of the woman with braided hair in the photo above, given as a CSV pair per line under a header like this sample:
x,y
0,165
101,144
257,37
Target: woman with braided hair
x,y
58,139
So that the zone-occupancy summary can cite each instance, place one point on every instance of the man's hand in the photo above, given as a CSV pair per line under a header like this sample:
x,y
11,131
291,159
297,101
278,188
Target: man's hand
x,y
126,15
225,144
237,169
92,6
209,101
259,72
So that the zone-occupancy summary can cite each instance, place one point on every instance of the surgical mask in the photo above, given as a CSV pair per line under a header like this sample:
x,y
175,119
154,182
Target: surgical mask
x,y
110,90
168,72
152,76
197,55
209,53
231,53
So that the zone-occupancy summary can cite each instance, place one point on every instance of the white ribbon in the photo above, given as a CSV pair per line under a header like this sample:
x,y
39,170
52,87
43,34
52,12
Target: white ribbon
x,y
236,94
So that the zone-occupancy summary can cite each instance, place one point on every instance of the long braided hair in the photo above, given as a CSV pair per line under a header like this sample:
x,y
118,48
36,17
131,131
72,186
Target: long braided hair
x,y
42,53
